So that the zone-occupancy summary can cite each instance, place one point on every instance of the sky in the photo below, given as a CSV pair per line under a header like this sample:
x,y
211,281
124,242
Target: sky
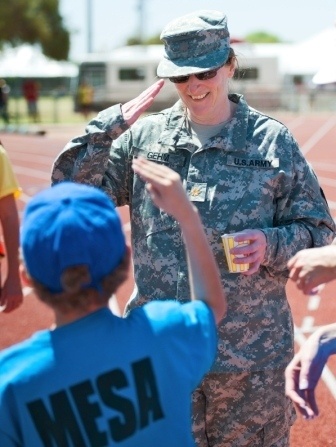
x,y
113,21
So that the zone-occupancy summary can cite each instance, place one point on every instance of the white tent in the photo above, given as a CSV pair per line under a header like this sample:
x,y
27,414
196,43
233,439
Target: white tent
x,y
304,58
28,61
314,54
327,71
326,74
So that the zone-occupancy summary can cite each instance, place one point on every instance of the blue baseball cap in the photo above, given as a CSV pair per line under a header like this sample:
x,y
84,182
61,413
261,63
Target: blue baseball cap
x,y
194,43
68,225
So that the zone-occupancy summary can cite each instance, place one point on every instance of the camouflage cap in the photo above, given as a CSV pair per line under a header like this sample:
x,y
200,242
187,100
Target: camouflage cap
x,y
196,42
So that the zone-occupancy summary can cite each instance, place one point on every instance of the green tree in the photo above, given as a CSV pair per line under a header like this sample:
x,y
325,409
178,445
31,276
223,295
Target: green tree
x,y
154,40
262,37
133,41
34,21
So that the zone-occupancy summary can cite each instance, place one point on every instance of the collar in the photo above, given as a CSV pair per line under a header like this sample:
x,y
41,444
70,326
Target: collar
x,y
232,136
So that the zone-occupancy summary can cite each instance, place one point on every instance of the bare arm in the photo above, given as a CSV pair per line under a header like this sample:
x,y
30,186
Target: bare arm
x,y
11,295
167,192
314,266
304,371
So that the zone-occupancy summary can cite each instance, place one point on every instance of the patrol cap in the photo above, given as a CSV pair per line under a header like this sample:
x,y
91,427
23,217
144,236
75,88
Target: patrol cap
x,y
193,43
69,225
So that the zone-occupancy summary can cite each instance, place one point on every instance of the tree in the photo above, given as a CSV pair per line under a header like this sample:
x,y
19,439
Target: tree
x,y
154,40
254,37
262,37
34,21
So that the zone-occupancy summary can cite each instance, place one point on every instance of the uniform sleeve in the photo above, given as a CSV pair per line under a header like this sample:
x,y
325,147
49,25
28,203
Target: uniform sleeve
x,y
302,218
86,159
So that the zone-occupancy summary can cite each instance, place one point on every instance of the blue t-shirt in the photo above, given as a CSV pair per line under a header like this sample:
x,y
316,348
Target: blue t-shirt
x,y
108,381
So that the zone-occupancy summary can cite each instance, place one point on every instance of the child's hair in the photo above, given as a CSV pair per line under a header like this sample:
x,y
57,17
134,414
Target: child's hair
x,y
69,225
75,295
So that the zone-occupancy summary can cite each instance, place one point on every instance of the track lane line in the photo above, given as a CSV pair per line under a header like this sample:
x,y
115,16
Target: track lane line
x,y
317,136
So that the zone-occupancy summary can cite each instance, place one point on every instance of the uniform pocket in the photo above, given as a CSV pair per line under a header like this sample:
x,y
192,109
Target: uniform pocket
x,y
280,426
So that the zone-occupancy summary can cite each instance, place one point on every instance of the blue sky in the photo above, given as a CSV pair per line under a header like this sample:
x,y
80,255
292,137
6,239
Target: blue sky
x,y
113,21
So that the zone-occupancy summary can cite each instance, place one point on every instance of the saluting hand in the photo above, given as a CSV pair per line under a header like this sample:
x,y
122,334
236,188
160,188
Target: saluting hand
x,y
131,110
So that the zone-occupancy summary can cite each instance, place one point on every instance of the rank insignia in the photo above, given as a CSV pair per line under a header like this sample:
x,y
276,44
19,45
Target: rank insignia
x,y
197,192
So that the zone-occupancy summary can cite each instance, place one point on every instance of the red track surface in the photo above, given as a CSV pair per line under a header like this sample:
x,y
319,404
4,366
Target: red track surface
x,y
32,157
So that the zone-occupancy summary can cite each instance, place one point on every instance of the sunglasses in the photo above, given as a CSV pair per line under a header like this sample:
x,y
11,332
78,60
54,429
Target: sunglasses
x,y
201,76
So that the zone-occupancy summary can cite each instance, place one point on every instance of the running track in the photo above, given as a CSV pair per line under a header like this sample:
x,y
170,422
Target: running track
x,y
32,157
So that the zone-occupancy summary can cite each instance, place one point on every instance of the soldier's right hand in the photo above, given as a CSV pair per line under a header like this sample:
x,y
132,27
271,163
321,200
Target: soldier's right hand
x,y
133,109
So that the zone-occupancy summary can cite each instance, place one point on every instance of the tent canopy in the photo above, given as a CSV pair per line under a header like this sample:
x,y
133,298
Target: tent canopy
x,y
326,74
316,53
306,57
28,61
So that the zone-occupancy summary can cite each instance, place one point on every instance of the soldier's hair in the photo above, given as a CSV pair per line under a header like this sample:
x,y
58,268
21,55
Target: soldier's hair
x,y
232,58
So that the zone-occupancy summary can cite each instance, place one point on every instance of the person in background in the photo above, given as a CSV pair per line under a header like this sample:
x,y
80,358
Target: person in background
x,y
245,173
309,269
96,378
11,291
31,93
4,94
85,94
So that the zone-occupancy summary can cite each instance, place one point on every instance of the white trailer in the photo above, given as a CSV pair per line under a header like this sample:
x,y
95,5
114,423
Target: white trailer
x,y
124,73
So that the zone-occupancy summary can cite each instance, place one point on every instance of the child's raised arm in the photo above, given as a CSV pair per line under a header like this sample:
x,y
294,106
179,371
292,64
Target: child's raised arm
x,y
167,193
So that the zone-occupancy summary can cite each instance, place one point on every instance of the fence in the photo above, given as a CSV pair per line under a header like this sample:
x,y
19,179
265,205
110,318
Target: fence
x,y
60,109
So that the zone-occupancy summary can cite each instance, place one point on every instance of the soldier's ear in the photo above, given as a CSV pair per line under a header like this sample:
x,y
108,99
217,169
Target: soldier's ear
x,y
232,69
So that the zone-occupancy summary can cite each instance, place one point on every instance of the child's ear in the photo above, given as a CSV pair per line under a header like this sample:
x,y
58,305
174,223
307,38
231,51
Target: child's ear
x,y
25,278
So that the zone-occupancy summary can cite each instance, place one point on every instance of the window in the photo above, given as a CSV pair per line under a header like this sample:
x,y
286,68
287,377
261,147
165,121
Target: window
x,y
93,73
131,74
298,80
246,74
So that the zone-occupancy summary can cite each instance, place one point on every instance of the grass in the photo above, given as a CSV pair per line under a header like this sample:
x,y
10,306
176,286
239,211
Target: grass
x,y
52,110
60,110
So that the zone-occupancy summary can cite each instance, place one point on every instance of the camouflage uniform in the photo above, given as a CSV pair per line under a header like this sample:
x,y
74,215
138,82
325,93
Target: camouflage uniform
x,y
251,175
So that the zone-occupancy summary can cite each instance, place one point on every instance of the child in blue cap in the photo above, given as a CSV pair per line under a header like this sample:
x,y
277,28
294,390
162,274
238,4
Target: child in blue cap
x,y
97,379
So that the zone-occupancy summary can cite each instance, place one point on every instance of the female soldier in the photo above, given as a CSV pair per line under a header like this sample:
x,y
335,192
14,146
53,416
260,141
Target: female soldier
x,y
245,173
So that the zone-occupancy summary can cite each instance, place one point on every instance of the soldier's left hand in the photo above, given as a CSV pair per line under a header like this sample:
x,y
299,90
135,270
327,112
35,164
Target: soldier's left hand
x,y
254,252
